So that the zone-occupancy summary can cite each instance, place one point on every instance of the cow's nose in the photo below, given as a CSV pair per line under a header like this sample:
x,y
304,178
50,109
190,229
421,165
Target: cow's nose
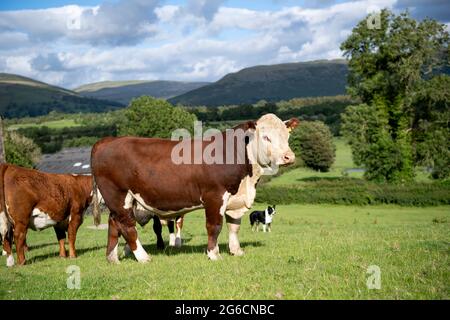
x,y
289,157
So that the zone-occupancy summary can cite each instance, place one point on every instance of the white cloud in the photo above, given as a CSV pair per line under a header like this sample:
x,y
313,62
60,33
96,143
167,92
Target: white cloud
x,y
200,41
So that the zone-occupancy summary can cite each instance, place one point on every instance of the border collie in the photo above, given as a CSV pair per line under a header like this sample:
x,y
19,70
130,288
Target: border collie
x,y
264,217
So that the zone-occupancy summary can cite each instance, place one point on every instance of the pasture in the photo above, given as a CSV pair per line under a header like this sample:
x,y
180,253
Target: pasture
x,y
314,252
52,124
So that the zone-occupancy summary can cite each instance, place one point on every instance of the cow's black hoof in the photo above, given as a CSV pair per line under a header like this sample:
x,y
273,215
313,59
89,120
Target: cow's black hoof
x,y
160,245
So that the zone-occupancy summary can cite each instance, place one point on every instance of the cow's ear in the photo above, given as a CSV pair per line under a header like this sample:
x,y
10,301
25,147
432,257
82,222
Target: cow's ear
x,y
292,123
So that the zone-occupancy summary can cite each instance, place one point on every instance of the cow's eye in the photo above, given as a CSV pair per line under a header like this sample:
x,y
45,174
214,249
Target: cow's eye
x,y
267,138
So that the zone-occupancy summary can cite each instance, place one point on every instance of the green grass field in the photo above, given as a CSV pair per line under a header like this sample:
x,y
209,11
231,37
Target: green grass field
x,y
55,124
314,252
343,162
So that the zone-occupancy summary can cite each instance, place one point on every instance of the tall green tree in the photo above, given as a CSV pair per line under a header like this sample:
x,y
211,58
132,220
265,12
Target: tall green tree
x,y
388,64
150,117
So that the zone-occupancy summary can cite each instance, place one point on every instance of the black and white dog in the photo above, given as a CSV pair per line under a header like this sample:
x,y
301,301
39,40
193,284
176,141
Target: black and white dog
x,y
264,217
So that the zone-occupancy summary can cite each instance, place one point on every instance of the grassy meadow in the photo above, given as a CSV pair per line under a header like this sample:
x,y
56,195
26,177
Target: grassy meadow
x,y
52,124
313,252
343,162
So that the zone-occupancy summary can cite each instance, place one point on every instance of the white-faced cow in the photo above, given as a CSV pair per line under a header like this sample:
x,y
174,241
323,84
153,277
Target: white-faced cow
x,y
130,170
38,200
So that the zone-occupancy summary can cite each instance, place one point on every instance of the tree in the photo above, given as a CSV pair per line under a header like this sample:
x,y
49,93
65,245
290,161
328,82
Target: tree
x,y
150,117
21,150
432,126
387,67
313,143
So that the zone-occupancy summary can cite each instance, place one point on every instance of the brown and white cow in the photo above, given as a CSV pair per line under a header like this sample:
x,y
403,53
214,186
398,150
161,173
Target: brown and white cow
x,y
130,170
38,200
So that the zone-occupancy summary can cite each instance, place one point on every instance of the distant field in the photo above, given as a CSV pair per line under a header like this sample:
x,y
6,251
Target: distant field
x,y
314,252
343,162
55,124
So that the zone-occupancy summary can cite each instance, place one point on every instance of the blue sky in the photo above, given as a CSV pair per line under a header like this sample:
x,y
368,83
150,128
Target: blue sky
x,y
70,43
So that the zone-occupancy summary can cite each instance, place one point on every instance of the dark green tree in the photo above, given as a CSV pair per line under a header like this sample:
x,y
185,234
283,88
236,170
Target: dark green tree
x,y
388,64
313,143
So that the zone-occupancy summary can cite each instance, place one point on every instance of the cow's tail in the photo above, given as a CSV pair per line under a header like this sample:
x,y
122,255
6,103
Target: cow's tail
x,y
96,204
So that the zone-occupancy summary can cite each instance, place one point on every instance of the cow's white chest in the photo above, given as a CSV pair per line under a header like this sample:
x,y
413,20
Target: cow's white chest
x,y
40,220
241,202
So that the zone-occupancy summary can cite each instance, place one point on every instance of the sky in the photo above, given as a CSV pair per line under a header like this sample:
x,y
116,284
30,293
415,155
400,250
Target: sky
x,y
73,42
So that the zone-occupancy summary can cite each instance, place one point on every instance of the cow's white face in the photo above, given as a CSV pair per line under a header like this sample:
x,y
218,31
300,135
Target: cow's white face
x,y
270,142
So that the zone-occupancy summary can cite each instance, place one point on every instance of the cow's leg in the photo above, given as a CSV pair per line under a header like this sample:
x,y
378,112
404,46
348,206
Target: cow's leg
x,y
76,218
171,227
157,229
264,227
20,234
233,241
61,236
214,221
179,224
7,247
129,232
269,227
113,241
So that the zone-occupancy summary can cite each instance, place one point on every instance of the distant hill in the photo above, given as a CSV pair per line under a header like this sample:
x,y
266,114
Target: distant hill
x,y
21,97
271,83
124,91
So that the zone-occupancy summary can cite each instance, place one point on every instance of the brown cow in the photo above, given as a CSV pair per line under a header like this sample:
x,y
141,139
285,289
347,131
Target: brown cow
x,y
130,170
38,200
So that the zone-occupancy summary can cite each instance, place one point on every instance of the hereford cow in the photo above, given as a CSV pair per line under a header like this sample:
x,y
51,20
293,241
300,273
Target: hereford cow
x,y
130,170
38,200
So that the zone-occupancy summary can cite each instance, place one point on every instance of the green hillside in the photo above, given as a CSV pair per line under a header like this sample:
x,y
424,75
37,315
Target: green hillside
x,y
271,83
21,96
124,91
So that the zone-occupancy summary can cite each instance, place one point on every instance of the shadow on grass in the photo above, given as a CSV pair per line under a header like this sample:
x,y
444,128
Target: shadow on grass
x,y
80,253
201,248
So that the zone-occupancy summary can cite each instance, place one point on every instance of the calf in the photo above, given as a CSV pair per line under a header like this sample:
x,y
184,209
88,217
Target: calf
x,y
162,184
263,217
38,200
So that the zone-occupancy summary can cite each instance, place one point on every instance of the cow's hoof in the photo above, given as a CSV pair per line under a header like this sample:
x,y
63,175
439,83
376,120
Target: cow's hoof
x,y
113,260
160,245
178,242
237,252
144,259
10,261
214,254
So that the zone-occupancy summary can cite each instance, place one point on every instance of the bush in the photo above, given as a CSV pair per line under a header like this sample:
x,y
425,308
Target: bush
x,y
313,143
21,150
356,192
150,117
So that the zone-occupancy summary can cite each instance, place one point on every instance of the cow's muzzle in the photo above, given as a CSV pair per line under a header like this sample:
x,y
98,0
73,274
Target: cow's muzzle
x,y
288,158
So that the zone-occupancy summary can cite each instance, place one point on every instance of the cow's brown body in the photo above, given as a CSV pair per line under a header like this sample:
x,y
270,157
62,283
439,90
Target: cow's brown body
x,y
37,200
141,169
